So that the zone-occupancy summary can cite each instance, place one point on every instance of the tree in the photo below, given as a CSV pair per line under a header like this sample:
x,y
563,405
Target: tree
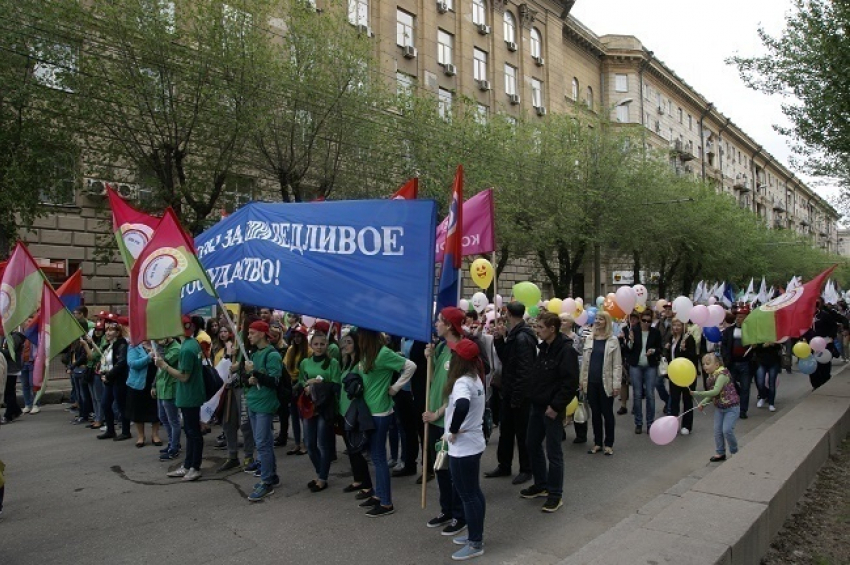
x,y
37,155
167,95
808,65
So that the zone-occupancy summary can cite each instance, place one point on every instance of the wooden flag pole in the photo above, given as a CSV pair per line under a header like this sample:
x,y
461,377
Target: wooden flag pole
x,y
425,472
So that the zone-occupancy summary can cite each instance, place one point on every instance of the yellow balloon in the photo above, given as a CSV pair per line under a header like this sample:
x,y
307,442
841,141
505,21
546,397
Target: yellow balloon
x,y
571,407
682,372
482,273
640,308
802,350
555,305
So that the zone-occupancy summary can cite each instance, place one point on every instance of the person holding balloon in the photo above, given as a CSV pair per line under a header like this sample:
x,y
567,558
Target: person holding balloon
x,y
599,378
682,346
644,347
726,405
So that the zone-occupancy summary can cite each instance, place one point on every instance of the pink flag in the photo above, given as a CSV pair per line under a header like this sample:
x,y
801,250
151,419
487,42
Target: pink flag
x,y
479,234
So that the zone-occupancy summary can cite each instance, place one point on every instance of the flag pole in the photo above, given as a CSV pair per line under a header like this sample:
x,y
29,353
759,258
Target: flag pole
x,y
425,473
233,328
495,279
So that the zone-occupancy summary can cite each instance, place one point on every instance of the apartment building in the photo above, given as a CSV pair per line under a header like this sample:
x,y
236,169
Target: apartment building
x,y
511,57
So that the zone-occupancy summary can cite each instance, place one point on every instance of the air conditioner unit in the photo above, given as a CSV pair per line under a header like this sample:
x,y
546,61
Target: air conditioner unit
x,y
511,45
449,69
483,29
483,85
541,110
539,60
95,188
513,99
127,191
442,7
409,51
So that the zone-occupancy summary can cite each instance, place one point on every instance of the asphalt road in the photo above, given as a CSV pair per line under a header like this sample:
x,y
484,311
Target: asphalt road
x,y
73,499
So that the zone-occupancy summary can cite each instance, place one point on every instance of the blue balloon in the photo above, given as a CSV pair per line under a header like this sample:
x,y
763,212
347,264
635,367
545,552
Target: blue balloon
x,y
712,334
808,365
591,315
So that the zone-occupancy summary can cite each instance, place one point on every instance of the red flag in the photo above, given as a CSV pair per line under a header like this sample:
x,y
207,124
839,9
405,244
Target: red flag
x,y
58,329
133,229
409,191
20,288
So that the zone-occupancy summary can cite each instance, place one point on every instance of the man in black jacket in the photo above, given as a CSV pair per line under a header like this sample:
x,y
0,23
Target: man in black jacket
x,y
15,343
643,348
517,351
552,386
737,357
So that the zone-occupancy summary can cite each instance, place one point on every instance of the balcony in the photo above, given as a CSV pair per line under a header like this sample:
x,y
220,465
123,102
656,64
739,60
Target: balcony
x,y
778,206
682,151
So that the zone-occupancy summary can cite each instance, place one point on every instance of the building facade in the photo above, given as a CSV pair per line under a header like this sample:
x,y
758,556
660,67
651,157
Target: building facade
x,y
514,57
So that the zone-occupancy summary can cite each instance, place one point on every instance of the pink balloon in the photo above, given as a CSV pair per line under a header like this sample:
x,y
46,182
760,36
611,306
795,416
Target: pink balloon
x,y
626,298
700,315
817,344
664,430
308,321
568,306
498,301
716,314
582,318
712,300
580,300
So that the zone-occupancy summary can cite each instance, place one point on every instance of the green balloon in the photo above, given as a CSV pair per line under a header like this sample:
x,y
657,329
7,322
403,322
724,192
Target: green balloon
x,y
533,311
527,293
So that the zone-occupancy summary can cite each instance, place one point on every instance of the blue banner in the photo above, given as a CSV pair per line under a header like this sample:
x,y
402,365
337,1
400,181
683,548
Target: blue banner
x,y
364,262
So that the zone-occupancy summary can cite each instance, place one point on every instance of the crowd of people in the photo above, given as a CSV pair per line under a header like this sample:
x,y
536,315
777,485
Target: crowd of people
x,y
391,399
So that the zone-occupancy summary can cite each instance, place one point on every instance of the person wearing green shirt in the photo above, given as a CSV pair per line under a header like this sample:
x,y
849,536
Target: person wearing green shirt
x,y
324,328
449,327
163,391
362,483
377,365
263,374
189,395
320,376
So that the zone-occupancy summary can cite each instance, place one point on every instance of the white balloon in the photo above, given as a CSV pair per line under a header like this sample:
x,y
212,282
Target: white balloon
x,y
625,298
641,294
712,300
682,307
463,304
479,301
568,306
823,357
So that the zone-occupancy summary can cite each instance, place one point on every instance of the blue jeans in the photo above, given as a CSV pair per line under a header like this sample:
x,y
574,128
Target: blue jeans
x,y
169,415
194,437
450,502
767,390
26,384
261,425
643,383
378,452
320,439
541,427
466,475
84,400
740,371
724,428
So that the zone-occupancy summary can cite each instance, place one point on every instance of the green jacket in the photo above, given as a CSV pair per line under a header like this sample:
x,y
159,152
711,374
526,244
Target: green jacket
x,y
268,368
165,383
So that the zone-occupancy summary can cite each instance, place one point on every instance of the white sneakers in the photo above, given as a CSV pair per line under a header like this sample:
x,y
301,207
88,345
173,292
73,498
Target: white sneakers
x,y
685,431
772,408
177,473
192,475
35,410
760,403
26,410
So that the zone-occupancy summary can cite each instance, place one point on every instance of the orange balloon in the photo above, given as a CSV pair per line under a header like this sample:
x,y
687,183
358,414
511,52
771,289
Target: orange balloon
x,y
610,306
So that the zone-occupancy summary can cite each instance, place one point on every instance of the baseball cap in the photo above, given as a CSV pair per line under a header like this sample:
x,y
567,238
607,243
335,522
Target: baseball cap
x,y
465,348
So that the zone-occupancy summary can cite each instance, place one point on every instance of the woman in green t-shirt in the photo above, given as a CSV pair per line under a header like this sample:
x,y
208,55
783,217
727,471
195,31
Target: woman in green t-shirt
x,y
377,365
320,376
359,467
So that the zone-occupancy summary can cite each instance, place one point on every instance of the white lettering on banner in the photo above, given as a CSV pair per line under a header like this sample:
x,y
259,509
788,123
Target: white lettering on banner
x,y
249,269
467,241
312,238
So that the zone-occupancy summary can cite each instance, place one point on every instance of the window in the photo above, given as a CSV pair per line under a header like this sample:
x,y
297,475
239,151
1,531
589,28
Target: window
x,y
690,122
510,27
450,4
445,104
481,112
404,29
479,64
358,12
444,47
238,190
623,114
575,89
404,84
62,171
158,13
478,12
621,83
510,79
680,115
54,64
235,20
535,42
536,93
588,98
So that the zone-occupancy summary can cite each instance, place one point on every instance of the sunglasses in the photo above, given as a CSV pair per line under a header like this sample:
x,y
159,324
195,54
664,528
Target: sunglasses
x,y
646,320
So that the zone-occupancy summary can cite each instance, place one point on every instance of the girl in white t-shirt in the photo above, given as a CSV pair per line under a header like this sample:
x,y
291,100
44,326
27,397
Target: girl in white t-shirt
x,y
465,436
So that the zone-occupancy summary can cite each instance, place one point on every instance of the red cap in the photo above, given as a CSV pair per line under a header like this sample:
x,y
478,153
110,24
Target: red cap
x,y
100,325
742,309
322,327
455,317
187,326
103,314
300,329
465,348
259,326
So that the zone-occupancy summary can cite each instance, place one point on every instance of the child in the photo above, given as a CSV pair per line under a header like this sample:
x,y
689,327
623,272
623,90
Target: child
x,y
726,405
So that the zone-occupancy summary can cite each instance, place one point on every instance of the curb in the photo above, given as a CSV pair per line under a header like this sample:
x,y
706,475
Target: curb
x,y
730,515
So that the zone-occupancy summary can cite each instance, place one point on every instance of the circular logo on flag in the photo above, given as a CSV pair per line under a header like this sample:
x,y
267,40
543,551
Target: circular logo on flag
x,y
784,300
7,301
135,237
159,270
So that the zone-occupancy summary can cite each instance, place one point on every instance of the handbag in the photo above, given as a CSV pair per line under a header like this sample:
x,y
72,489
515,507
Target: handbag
x,y
662,367
580,415
441,461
